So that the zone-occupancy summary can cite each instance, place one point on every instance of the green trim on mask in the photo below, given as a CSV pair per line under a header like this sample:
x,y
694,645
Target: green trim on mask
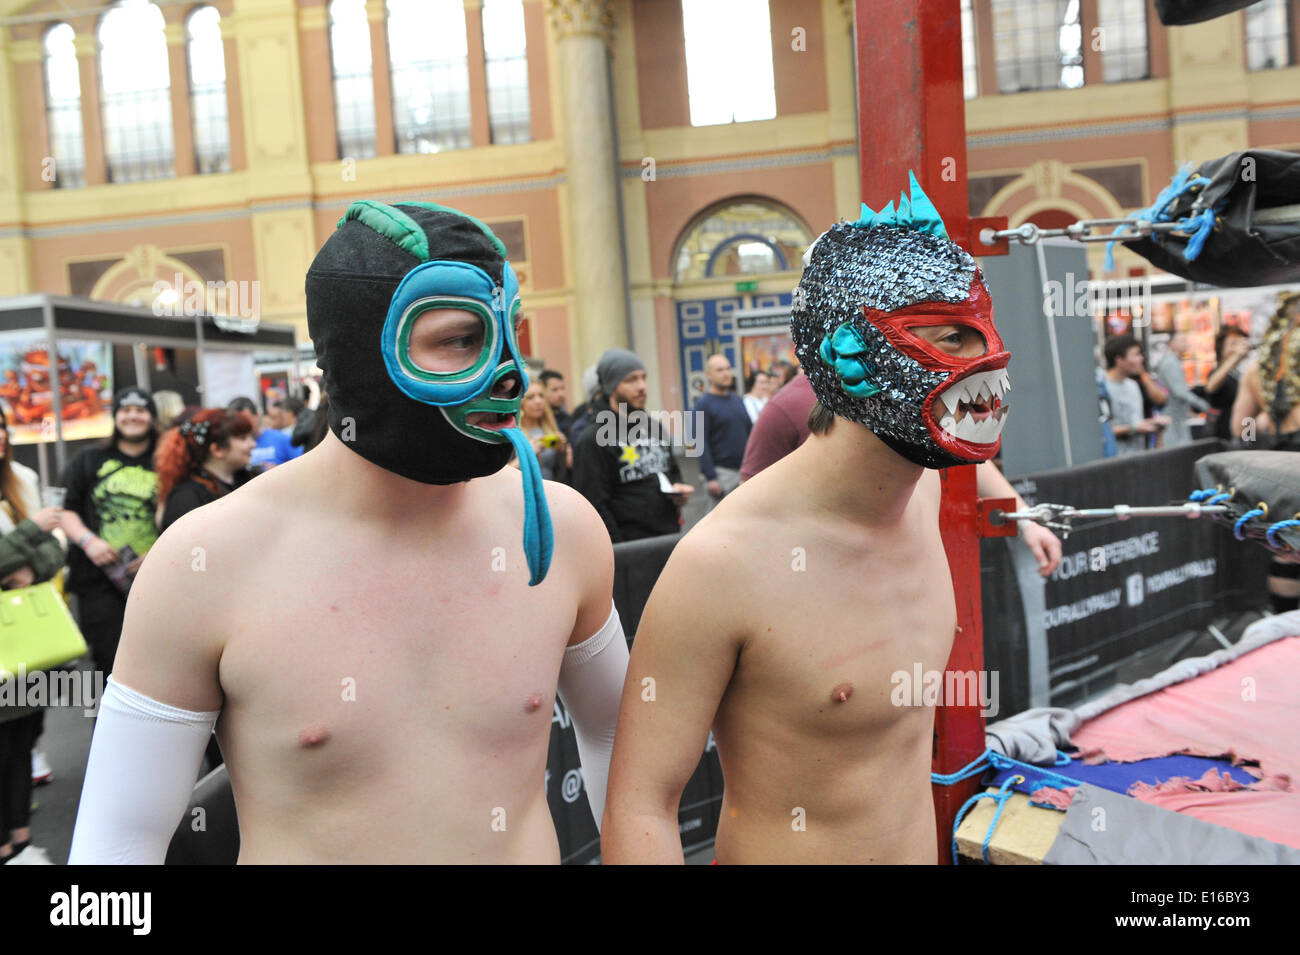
x,y
390,222
456,415
497,243
403,343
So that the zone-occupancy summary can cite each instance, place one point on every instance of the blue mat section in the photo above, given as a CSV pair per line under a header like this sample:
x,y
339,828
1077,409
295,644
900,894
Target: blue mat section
x,y
1118,777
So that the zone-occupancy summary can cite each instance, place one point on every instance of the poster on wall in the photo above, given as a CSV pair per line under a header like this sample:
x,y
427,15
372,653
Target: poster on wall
x,y
761,352
274,386
764,339
227,375
708,327
1198,319
85,379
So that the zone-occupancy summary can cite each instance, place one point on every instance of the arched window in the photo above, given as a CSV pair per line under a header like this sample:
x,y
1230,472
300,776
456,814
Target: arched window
x,y
136,91
207,54
1268,35
354,87
428,50
506,54
729,76
63,109
741,237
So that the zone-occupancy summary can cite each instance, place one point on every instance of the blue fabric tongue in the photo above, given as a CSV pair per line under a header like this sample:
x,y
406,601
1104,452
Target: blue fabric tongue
x,y
539,539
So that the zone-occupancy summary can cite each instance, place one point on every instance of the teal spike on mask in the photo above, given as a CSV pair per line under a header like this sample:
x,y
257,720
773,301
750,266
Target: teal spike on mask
x,y
915,211
924,214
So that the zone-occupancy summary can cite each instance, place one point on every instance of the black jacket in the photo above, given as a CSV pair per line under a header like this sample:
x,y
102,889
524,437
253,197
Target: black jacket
x,y
115,496
621,480
190,494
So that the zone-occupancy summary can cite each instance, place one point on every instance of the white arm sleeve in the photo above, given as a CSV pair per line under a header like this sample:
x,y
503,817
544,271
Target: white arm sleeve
x,y
144,760
591,685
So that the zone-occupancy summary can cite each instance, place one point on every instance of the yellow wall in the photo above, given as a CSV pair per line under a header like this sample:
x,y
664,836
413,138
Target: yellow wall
x,y
288,187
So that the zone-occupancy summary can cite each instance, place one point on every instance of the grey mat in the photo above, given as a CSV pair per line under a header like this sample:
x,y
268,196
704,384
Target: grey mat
x,y
1107,828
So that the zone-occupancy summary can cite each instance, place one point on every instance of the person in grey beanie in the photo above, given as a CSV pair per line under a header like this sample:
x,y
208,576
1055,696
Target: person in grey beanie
x,y
623,461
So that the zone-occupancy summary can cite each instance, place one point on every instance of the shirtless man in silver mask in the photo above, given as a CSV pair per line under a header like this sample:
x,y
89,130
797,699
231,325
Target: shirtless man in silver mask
x,y
780,618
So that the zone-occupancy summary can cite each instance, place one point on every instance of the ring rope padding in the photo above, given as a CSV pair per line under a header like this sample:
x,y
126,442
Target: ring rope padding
x,y
1241,521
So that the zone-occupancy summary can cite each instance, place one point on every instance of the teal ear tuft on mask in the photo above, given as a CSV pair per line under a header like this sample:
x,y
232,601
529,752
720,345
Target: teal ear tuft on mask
x,y
915,212
845,351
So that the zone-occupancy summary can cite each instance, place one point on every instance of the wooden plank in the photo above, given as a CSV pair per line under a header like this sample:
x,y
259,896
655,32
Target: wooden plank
x,y
1023,836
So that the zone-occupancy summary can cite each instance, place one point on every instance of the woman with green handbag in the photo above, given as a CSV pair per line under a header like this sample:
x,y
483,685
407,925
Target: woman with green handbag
x,y
29,554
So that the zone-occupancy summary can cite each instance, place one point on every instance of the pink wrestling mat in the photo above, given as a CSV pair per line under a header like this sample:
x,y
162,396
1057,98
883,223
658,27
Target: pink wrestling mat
x,y
1247,711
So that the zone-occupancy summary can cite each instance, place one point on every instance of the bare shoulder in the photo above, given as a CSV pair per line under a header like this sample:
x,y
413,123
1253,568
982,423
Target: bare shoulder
x,y
232,525
573,514
177,614
190,564
711,567
214,550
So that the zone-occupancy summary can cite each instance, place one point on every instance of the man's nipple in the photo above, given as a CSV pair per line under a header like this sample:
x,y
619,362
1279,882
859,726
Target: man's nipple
x,y
313,736
842,693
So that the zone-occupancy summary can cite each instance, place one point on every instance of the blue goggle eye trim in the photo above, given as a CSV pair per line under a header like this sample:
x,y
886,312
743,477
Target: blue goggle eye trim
x,y
451,285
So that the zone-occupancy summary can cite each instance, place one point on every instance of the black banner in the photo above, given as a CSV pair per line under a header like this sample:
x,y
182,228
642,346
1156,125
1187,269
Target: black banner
x,y
1122,588
697,818
637,565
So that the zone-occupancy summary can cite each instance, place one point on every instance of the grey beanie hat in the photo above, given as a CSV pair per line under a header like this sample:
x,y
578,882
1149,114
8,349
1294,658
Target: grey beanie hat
x,y
615,365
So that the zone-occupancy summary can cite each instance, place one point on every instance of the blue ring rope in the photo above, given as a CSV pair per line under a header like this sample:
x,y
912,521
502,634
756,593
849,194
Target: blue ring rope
x,y
1241,522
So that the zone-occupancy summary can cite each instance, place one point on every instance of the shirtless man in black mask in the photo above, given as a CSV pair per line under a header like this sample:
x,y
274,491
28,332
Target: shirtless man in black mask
x,y
377,650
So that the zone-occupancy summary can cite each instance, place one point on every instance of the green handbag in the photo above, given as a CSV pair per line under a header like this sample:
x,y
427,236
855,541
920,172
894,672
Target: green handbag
x,y
36,630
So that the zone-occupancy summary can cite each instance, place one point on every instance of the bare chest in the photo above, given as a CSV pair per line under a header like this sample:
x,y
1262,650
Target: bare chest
x,y
445,658
832,644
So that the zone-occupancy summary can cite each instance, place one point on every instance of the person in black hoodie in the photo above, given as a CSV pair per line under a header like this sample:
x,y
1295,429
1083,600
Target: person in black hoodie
x,y
623,461
110,504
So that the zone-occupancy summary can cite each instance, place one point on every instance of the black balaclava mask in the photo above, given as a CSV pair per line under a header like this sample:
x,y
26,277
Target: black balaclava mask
x,y
375,276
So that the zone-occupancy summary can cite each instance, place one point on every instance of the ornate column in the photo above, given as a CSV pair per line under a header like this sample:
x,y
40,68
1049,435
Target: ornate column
x,y
841,91
317,81
986,51
15,257
92,120
381,77
275,137
480,129
234,97
24,127
584,30
182,116
1090,21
